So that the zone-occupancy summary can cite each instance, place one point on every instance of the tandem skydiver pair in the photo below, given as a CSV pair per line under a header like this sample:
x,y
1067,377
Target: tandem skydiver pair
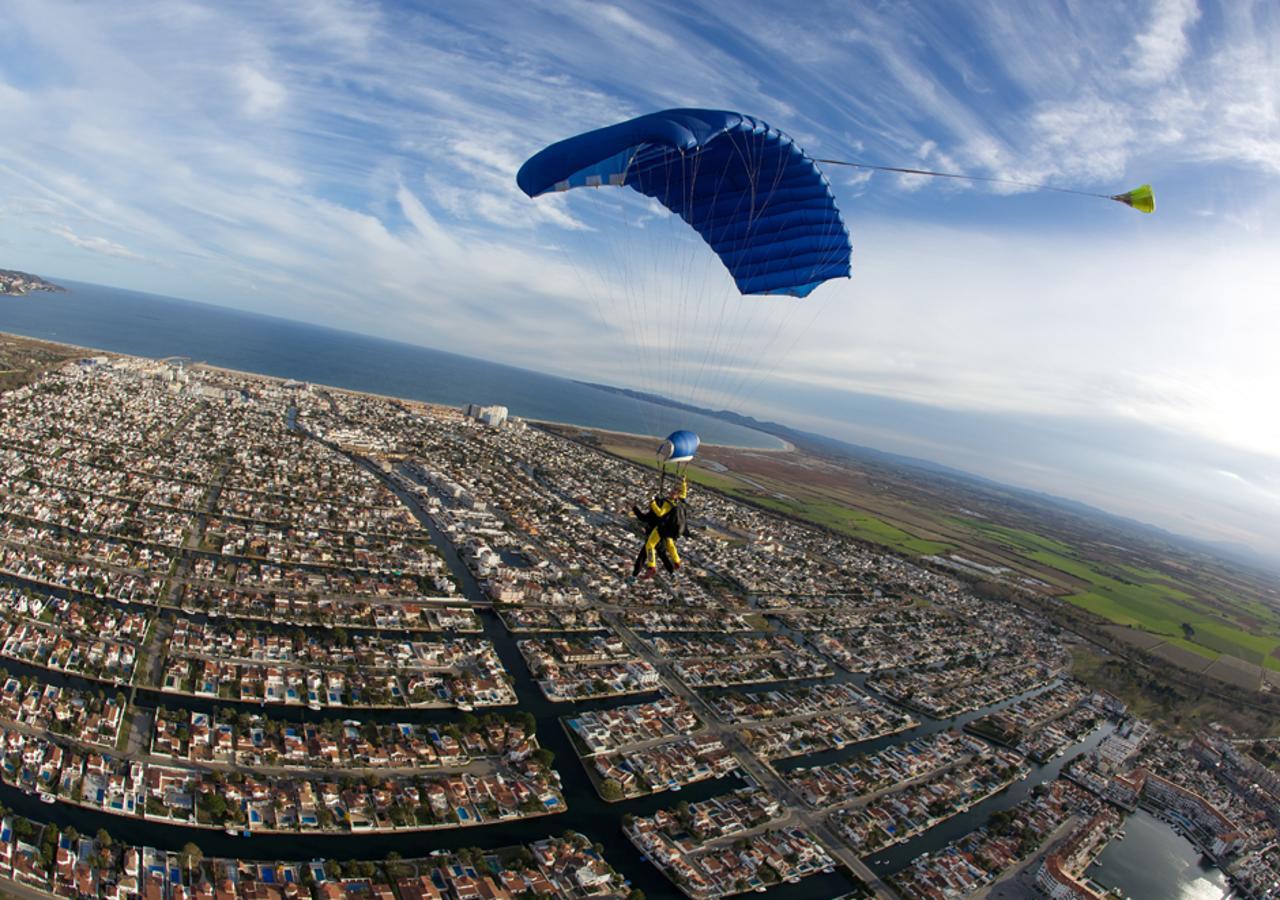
x,y
664,519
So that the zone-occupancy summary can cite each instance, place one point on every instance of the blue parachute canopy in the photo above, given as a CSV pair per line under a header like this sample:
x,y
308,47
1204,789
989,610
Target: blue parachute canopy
x,y
761,204
679,447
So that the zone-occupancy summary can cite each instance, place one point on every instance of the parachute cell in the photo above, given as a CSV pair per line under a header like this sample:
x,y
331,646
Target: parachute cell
x,y
757,200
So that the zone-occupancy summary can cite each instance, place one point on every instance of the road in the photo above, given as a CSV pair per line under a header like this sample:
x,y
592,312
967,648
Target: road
x,y
1019,880
763,775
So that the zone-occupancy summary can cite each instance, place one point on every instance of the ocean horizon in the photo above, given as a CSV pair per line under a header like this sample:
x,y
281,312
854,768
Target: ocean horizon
x,y
152,325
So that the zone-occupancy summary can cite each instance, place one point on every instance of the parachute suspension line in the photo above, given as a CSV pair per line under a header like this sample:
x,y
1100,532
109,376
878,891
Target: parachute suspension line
x,y
703,282
610,283
764,377
737,373
710,281
1139,198
680,237
735,370
752,377
712,353
728,340
703,303
714,357
635,300
662,271
591,286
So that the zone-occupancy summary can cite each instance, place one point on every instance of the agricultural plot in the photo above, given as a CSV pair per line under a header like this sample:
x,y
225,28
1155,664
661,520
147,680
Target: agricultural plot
x,y
795,501
1153,602
1184,654
1193,607
1236,671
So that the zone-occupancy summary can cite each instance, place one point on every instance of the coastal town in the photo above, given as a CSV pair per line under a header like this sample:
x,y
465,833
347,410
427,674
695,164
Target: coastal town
x,y
17,283
262,639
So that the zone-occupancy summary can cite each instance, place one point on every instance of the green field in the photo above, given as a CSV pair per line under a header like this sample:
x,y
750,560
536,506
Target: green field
x,y
1015,538
1157,602
855,523
1149,599
827,513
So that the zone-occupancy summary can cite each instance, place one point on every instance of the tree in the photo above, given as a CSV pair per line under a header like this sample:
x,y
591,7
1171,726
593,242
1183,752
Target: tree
x,y
190,857
215,806
610,790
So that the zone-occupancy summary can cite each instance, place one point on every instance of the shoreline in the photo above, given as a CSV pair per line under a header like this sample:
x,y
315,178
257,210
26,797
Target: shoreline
x,y
99,351
787,446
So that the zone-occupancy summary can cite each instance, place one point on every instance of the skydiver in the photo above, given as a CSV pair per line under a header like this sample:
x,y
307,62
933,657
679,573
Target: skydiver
x,y
664,522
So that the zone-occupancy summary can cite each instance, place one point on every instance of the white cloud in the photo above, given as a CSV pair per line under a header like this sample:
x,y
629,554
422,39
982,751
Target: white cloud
x,y
1157,54
95,244
262,95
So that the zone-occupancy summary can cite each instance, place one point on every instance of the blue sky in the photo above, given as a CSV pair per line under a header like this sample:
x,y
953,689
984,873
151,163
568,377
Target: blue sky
x,y
353,165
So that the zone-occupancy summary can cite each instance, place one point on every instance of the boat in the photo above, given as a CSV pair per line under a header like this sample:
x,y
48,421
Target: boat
x,y
464,706
46,797
232,830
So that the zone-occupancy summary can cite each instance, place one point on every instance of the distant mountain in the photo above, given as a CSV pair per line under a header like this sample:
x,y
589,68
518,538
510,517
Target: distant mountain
x,y
1239,554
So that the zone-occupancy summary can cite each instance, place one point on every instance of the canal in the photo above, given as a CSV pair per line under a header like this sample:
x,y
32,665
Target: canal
x,y
587,813
890,860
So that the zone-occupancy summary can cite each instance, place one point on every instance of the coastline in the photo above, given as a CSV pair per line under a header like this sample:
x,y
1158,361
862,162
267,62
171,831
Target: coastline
x,y
787,446
243,373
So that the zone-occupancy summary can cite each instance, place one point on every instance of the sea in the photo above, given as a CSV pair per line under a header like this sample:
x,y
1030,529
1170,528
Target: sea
x,y
139,324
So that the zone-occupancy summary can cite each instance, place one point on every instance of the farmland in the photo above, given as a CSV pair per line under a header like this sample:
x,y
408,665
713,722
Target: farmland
x,y
1177,603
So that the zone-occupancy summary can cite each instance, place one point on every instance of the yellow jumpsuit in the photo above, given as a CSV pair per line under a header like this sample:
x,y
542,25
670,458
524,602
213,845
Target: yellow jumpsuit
x,y
662,509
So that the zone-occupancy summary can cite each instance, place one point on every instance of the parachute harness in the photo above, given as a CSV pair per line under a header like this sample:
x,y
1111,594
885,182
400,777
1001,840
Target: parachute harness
x,y
677,472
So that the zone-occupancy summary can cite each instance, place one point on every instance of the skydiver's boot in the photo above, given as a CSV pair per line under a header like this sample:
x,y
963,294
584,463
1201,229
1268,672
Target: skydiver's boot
x,y
649,572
